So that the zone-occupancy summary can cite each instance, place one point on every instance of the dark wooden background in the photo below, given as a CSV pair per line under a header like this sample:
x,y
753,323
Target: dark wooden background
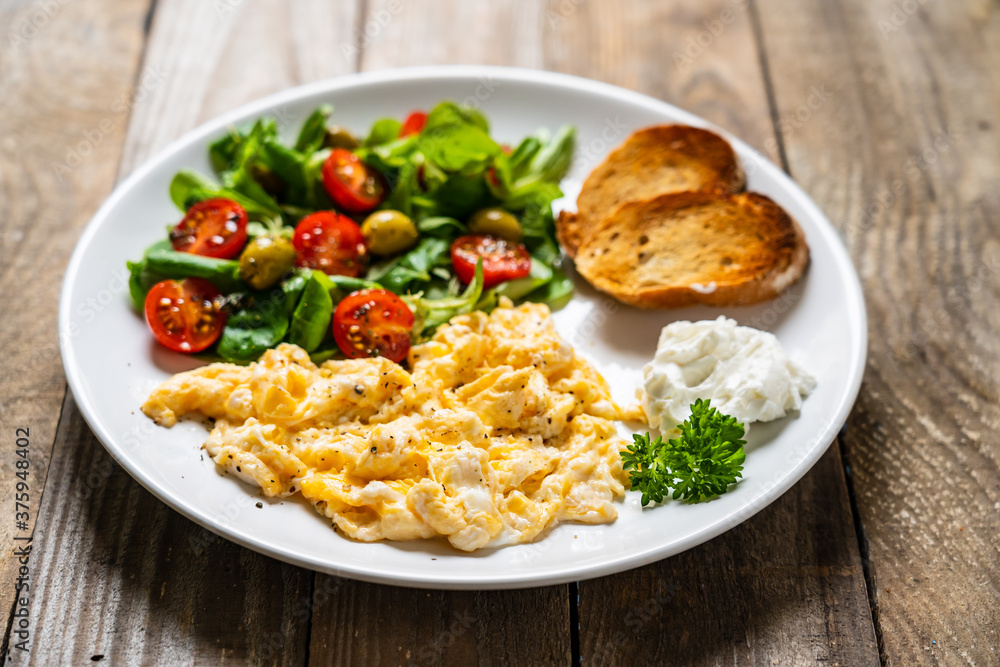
x,y
886,111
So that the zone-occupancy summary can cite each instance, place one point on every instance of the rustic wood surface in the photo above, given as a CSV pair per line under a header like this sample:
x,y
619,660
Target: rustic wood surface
x,y
885,111
61,130
914,94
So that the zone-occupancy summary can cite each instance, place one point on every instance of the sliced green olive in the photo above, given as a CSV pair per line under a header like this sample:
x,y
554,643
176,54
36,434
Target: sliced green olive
x,y
265,259
339,137
389,233
496,222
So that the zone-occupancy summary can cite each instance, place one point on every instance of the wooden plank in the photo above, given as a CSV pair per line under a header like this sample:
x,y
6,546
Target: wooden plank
x,y
122,576
399,33
59,146
700,56
907,163
118,573
787,586
368,624
357,623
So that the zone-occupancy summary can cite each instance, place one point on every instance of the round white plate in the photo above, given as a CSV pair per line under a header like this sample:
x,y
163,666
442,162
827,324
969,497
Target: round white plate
x,y
112,362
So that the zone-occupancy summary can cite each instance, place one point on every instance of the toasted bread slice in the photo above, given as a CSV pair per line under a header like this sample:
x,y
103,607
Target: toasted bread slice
x,y
695,247
653,161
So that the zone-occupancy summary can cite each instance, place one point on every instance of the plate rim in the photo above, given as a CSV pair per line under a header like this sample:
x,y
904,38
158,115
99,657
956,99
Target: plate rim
x,y
506,580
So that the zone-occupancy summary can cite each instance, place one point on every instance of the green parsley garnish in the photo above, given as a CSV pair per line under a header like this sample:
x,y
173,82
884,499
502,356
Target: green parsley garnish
x,y
698,466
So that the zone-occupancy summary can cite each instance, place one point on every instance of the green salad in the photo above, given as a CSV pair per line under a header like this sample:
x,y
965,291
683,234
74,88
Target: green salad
x,y
353,246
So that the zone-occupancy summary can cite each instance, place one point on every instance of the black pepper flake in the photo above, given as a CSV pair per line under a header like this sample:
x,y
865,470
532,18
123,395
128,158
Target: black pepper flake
x,y
260,505
374,449
358,389
238,469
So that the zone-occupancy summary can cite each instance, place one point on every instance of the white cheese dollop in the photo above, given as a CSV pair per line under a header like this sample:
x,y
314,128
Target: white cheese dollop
x,y
744,371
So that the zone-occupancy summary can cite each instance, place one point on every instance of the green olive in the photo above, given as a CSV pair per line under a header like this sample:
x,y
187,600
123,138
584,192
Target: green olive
x,y
496,222
265,259
339,137
389,233
270,181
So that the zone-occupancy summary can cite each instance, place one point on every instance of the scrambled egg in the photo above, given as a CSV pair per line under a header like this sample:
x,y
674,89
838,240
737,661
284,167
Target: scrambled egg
x,y
499,431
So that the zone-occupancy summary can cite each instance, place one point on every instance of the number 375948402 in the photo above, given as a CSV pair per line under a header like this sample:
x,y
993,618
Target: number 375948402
x,y
22,497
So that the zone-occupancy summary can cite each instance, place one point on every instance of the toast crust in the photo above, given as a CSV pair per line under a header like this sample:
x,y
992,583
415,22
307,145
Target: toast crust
x,y
688,248
652,161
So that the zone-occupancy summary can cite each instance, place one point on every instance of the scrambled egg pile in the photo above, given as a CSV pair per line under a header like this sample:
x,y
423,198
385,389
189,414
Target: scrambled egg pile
x,y
499,431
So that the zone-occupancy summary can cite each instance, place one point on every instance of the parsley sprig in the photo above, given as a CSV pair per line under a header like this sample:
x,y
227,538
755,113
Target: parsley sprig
x,y
699,465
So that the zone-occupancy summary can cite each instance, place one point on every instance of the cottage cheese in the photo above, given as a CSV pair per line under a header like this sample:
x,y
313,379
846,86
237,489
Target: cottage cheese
x,y
744,371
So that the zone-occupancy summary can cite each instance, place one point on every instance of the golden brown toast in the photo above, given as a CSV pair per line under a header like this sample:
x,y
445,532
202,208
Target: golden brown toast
x,y
653,161
685,248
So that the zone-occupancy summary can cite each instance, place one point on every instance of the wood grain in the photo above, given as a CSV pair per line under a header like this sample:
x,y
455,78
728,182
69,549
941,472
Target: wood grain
x,y
399,33
701,56
911,180
887,114
63,68
786,587
119,574
369,624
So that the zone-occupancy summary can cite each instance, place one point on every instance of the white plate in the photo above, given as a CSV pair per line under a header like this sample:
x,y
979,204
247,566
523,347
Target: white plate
x,y
112,363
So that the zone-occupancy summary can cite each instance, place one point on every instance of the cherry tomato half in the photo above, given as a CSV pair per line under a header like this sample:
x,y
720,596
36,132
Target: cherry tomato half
x,y
502,260
185,315
353,185
213,228
332,243
413,124
373,323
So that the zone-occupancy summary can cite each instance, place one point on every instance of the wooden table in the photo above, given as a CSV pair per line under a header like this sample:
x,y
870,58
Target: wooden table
x,y
885,111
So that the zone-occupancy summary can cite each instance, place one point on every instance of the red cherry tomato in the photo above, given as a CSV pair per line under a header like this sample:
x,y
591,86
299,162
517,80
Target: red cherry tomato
x,y
491,176
185,315
502,260
213,228
373,323
414,124
353,185
330,242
